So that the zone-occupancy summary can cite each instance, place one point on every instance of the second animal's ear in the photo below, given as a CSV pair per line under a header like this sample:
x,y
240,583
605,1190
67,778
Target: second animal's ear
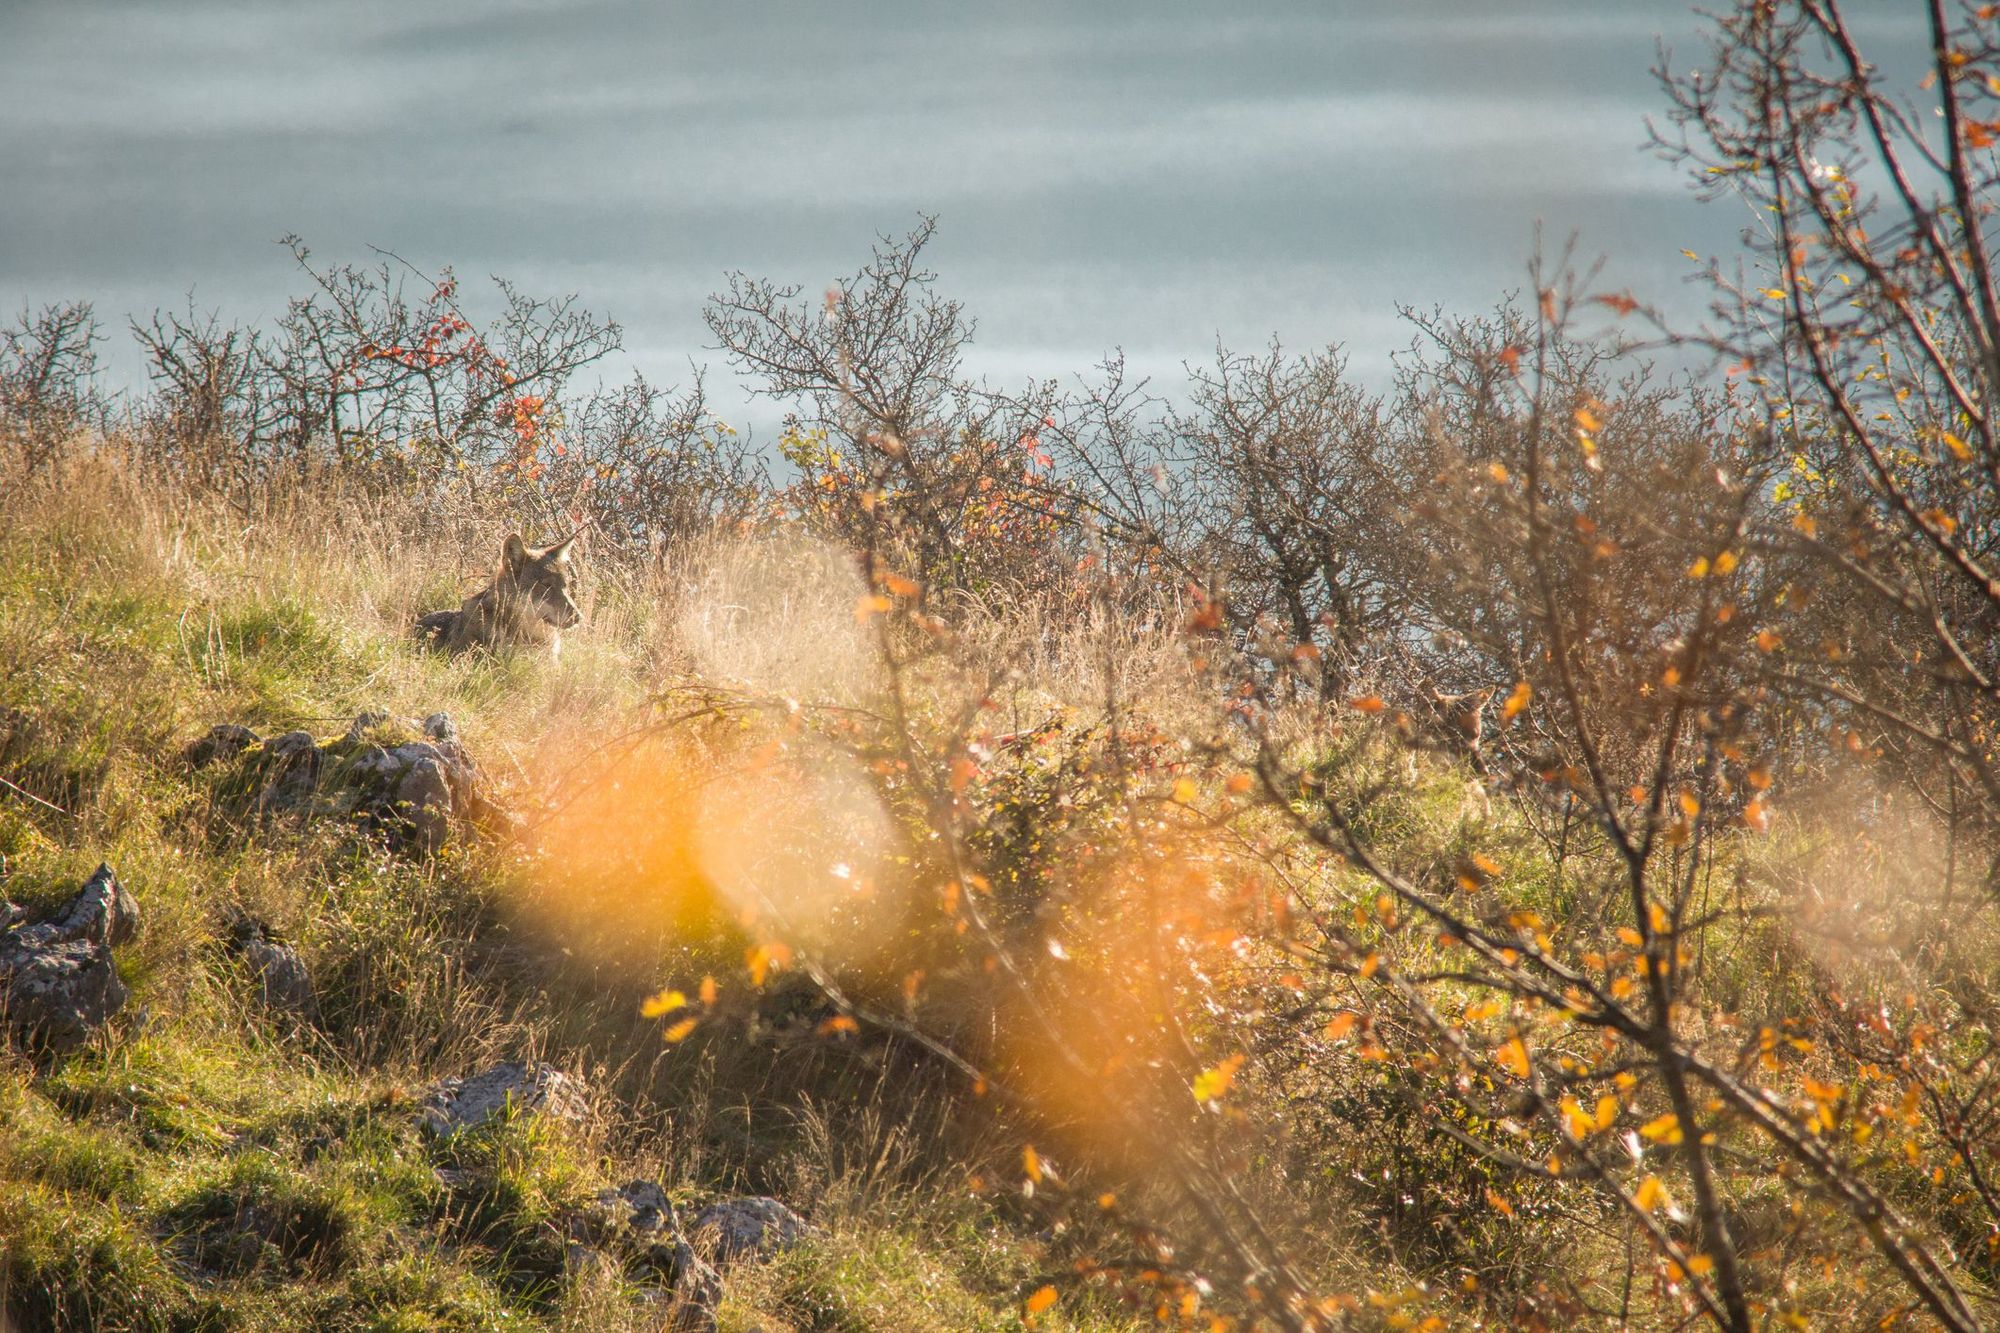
x,y
560,551
515,553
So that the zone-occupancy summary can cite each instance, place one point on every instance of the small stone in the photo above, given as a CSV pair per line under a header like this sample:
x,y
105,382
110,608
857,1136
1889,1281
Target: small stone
x,y
465,1103
424,796
751,1228
222,744
284,985
697,1292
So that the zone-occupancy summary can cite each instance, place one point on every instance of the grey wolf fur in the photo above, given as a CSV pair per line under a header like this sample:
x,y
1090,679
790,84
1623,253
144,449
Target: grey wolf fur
x,y
527,604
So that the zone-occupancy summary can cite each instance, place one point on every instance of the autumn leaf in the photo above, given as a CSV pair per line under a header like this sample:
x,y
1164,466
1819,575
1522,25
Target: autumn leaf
x,y
1370,703
1513,1057
1650,1194
1516,701
1043,1298
1213,1083
1621,302
871,605
708,990
1342,1024
681,1030
1665,1129
838,1025
1031,1162
664,1003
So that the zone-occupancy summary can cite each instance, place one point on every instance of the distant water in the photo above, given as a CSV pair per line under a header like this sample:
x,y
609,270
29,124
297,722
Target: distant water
x,y
1147,175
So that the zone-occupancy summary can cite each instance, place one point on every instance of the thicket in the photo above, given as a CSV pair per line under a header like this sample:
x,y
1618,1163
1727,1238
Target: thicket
x,y
1542,816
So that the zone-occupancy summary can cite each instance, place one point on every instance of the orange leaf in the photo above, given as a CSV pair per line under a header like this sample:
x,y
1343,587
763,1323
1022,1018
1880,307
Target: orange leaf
x,y
1371,703
681,1030
1342,1024
664,1003
1513,1057
1516,701
1043,1298
838,1024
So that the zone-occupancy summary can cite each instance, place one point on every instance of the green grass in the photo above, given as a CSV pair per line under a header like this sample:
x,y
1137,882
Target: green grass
x,y
204,1165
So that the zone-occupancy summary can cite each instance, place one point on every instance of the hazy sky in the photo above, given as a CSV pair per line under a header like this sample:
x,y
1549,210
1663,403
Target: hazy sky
x,y
1147,174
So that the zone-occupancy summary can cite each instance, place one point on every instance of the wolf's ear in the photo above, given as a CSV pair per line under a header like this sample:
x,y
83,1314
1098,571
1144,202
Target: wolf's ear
x,y
560,551
515,552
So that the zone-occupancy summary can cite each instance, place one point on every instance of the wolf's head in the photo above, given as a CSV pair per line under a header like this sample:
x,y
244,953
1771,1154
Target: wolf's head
x,y
540,578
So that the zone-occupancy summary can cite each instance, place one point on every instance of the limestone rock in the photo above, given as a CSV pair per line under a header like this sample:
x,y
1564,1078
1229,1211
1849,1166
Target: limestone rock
x,y
58,982
465,1103
411,781
751,1228
284,986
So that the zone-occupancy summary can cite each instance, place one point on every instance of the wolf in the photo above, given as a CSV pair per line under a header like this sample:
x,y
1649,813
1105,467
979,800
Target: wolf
x,y
527,604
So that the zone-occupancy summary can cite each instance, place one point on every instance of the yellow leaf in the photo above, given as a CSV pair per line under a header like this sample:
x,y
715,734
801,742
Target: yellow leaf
x,y
1043,1298
1768,641
664,1003
1587,420
1725,562
1692,255
1689,805
899,586
1607,1111
1513,1057
871,605
1650,1194
838,1024
1184,791
1516,701
1666,1129
1699,569
1342,1024
708,990
1579,1122
1213,1083
1959,448
681,1030
1031,1162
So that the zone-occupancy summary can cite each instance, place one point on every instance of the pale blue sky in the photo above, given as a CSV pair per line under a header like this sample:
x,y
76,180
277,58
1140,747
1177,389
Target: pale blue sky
x,y
1150,175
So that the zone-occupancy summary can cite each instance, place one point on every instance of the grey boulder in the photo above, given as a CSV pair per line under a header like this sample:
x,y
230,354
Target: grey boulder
x,y
465,1103
58,982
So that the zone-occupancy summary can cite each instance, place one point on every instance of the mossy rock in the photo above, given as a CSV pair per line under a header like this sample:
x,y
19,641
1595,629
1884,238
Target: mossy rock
x,y
407,781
